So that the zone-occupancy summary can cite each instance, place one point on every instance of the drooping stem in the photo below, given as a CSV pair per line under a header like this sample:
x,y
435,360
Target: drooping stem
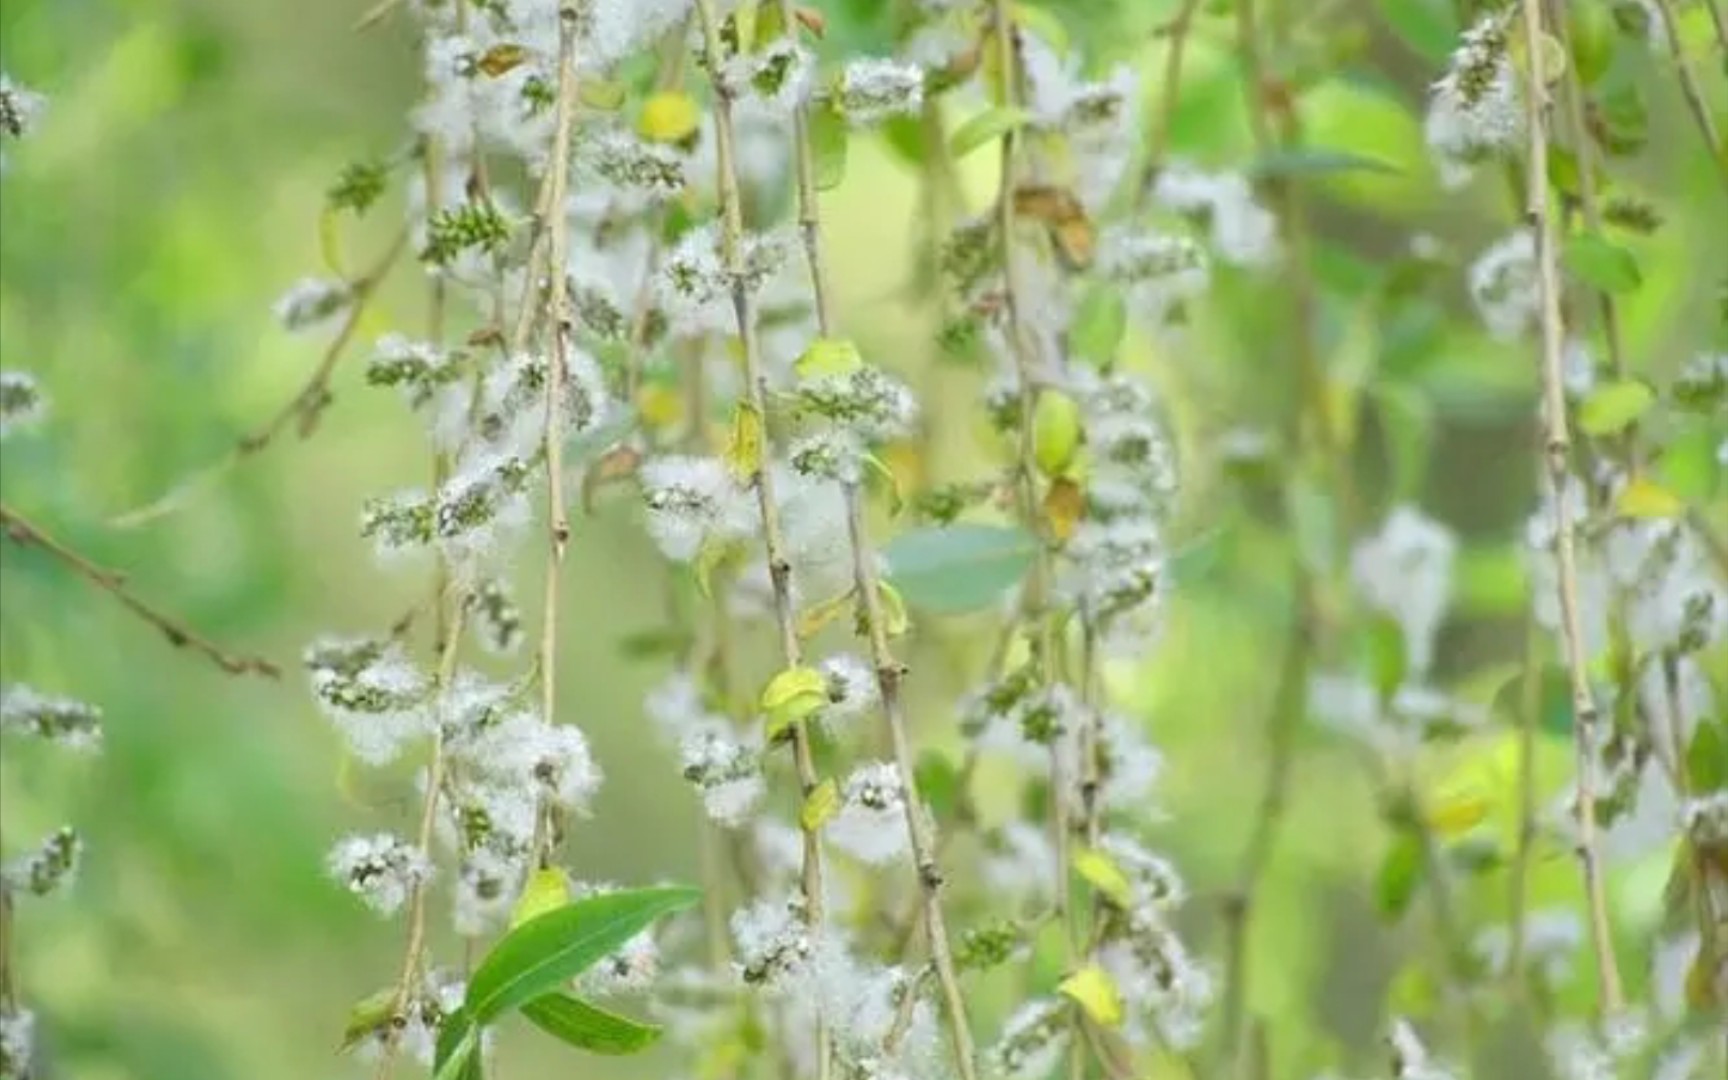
x,y
890,673
756,399
1695,103
22,530
1529,709
1282,723
1557,452
558,311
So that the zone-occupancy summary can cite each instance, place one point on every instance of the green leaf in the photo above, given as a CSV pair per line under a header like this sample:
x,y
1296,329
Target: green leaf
x,y
1426,26
549,950
1613,407
589,1027
938,782
1407,420
959,568
1600,263
828,141
1100,320
455,1057
1400,873
1317,161
1388,659
1707,757
987,126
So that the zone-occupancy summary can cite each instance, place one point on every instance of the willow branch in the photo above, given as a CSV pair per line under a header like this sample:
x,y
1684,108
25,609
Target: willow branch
x,y
1558,450
1695,103
756,390
303,410
21,530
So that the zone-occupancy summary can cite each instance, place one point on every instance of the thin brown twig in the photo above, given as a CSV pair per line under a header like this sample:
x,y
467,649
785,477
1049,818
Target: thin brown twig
x,y
756,399
1557,454
890,672
304,409
21,530
558,303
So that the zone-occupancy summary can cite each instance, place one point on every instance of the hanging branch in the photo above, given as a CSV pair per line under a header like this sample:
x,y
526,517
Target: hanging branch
x,y
756,399
22,531
1557,452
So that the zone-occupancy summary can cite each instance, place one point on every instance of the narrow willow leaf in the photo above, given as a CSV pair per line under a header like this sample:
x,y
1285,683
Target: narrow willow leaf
x,y
791,697
829,139
958,568
1095,991
367,1016
549,950
547,890
589,1027
744,451
1102,873
1707,757
457,1056
815,618
1613,407
1317,161
823,803
1598,262
986,127
1645,498
1401,871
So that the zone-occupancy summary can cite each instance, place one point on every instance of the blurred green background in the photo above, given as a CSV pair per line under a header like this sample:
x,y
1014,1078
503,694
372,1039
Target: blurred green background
x,y
172,193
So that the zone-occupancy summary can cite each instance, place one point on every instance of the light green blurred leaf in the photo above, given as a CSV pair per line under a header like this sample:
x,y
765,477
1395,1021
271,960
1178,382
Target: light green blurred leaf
x,y
987,126
1601,263
1613,407
959,568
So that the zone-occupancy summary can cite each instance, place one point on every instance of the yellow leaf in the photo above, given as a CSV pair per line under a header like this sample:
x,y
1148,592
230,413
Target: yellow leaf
x,y
501,59
660,406
547,890
896,501
367,1017
1064,506
1457,809
828,356
893,609
670,116
791,696
1102,873
1057,427
744,451
1095,992
1644,498
822,804
812,621
602,94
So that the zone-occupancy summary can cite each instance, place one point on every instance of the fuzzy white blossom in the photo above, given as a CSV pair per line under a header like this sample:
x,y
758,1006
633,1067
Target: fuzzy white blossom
x,y
21,401
1502,285
311,302
382,870
691,500
1475,110
1405,572
872,89
1243,231
871,823
71,724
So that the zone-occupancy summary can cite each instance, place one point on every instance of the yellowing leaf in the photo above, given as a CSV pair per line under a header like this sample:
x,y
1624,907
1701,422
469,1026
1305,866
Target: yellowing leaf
x,y
1102,873
1056,431
602,94
815,618
896,501
1644,498
1095,992
829,356
1457,809
501,59
367,1017
1615,406
330,240
744,451
547,889
670,116
822,804
893,609
660,406
791,696
1064,506
713,555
